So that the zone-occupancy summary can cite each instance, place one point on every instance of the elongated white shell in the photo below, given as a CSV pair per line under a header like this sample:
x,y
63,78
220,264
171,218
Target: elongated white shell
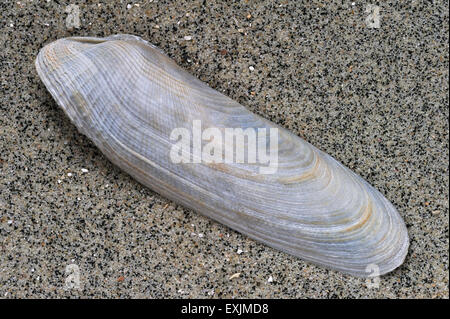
x,y
127,97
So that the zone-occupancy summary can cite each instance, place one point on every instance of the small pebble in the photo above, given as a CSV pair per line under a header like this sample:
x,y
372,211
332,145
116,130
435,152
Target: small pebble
x,y
84,170
236,275
270,279
188,38
239,251
129,6
251,68
73,17
69,174
436,212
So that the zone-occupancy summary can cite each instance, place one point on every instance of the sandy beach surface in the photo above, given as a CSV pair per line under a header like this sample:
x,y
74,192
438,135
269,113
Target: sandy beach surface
x,y
366,84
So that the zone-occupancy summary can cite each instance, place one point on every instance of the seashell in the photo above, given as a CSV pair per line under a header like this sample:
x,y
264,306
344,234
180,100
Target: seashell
x,y
127,97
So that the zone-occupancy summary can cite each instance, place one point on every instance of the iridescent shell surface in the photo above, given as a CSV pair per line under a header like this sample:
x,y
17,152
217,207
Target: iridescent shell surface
x,y
127,97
